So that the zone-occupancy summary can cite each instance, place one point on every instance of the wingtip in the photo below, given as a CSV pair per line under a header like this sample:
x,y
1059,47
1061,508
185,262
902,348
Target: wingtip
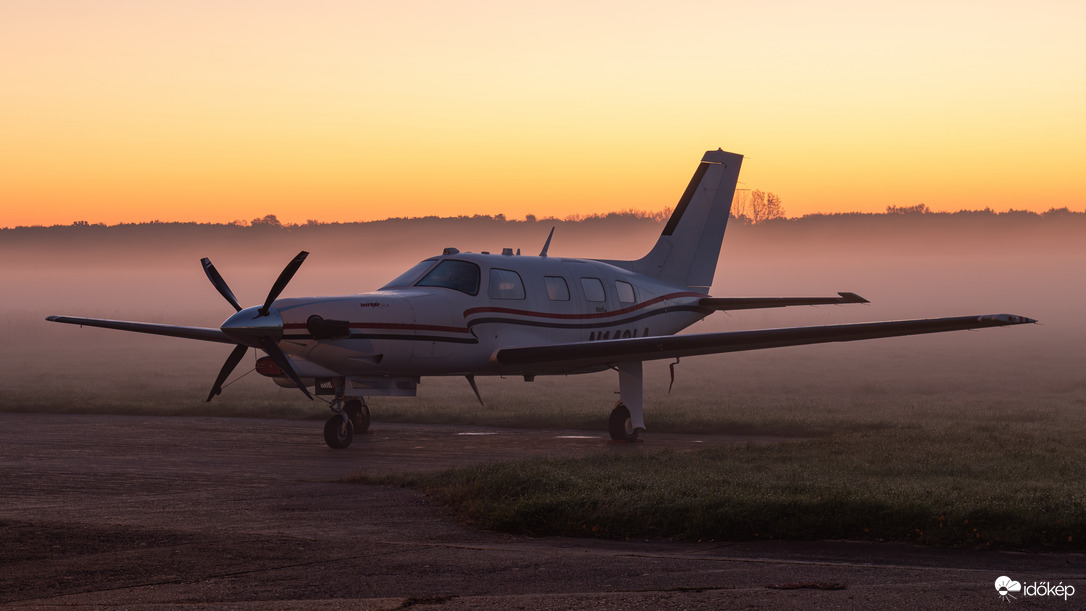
x,y
849,297
1009,319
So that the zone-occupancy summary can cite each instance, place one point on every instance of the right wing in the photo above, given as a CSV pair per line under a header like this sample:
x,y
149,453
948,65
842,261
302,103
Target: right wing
x,y
584,356
201,333
750,303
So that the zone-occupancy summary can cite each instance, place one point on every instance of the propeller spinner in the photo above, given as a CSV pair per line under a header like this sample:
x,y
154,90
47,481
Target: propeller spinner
x,y
255,327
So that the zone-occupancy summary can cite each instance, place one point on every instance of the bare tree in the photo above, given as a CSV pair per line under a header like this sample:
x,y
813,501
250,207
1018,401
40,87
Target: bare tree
x,y
774,209
741,205
764,206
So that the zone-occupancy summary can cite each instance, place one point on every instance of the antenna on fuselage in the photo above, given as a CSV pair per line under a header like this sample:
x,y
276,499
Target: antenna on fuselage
x,y
547,244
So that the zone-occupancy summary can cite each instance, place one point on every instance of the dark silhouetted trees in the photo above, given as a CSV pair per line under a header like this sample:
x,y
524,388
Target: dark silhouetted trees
x,y
269,221
917,209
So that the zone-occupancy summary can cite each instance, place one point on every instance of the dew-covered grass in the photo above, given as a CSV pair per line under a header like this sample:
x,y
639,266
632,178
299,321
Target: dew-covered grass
x,y
1004,484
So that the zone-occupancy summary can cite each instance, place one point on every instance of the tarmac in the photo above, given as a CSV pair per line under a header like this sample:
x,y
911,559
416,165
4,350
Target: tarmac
x,y
224,513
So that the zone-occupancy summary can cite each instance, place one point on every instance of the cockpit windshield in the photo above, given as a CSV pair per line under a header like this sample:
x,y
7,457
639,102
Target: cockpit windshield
x,y
409,277
462,276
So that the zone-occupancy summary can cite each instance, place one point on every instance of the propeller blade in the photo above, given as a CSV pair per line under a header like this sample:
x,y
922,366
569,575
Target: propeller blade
x,y
281,282
220,284
281,360
227,368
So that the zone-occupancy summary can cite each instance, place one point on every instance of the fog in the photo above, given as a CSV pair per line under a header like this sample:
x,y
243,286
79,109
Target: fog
x,y
945,265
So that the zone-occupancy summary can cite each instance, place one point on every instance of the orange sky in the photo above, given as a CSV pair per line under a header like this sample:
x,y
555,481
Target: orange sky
x,y
125,111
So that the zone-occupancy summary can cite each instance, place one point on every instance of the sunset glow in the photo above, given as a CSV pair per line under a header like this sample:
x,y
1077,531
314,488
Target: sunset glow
x,y
124,111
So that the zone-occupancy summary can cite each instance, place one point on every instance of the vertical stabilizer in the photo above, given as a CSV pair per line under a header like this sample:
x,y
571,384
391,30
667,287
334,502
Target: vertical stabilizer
x,y
688,248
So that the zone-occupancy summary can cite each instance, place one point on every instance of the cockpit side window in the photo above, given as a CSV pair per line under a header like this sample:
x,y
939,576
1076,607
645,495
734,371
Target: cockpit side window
x,y
505,284
461,276
408,278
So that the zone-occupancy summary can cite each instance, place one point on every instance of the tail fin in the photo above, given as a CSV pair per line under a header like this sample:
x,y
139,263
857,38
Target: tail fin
x,y
688,249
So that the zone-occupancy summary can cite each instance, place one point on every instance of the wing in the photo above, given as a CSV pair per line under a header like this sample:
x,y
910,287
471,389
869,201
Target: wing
x,y
201,333
750,303
579,356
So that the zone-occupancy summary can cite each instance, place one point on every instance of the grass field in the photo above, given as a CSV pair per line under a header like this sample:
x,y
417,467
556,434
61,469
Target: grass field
x,y
958,460
1004,487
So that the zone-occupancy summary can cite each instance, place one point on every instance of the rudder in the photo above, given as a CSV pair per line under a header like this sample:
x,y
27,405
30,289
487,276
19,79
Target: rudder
x,y
688,248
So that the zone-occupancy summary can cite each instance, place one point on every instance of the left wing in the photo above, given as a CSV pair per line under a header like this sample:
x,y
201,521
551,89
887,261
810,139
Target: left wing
x,y
201,333
560,358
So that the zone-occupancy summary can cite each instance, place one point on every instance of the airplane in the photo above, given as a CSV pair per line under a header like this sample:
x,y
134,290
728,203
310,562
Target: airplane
x,y
482,314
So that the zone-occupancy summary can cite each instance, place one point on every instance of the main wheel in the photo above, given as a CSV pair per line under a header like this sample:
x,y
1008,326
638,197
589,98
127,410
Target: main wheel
x,y
359,414
621,425
338,431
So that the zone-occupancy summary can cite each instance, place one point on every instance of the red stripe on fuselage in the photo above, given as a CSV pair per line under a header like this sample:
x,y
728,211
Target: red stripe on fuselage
x,y
389,325
626,310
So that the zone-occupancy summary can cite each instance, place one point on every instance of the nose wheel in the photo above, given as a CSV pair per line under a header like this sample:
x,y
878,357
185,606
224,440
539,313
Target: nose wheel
x,y
338,431
353,417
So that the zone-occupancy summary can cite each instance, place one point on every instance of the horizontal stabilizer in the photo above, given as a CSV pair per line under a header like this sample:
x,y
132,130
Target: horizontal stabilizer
x,y
607,353
753,303
201,333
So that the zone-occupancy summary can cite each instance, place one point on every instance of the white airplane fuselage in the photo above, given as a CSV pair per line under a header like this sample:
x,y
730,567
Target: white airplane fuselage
x,y
407,330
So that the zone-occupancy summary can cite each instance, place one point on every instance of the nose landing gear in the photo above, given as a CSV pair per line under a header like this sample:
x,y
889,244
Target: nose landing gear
x,y
338,431
351,417
359,413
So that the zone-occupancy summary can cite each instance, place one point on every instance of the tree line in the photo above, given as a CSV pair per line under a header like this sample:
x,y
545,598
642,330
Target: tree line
x,y
749,208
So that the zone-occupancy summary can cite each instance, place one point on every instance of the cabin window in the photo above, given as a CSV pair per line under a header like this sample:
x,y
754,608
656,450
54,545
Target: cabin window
x,y
625,292
593,289
409,277
557,289
452,274
505,284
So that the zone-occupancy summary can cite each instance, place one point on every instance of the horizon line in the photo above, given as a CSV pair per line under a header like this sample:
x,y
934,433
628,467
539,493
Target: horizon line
x,y
272,221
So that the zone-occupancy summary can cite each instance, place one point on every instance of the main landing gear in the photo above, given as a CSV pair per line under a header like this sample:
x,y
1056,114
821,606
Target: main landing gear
x,y
627,419
350,419
621,424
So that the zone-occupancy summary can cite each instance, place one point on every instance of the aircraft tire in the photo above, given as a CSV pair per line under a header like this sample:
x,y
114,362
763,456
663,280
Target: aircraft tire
x,y
359,414
620,425
338,432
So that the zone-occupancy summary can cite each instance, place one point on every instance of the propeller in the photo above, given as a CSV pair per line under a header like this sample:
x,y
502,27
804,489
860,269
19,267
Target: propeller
x,y
220,284
227,368
281,282
255,327
281,360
